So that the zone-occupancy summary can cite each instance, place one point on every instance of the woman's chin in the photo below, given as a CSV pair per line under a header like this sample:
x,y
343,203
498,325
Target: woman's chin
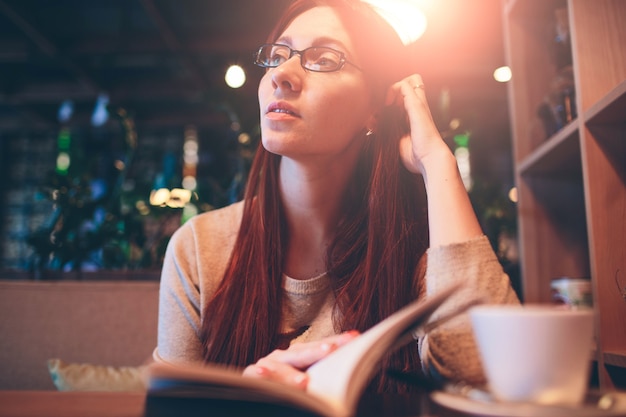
x,y
279,146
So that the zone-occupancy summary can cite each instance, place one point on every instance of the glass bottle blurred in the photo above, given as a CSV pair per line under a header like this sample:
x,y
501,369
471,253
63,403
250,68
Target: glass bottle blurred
x,y
558,107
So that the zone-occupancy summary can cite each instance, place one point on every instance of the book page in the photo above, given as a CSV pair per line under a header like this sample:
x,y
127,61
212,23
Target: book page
x,y
341,377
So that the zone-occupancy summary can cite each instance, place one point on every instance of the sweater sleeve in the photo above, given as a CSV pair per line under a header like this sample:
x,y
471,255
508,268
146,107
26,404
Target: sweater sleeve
x,y
179,303
449,351
194,264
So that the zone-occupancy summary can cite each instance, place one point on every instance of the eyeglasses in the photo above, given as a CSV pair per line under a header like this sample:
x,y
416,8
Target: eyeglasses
x,y
316,58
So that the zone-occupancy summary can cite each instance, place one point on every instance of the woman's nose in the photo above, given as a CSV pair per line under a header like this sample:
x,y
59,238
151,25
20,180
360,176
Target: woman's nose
x,y
288,75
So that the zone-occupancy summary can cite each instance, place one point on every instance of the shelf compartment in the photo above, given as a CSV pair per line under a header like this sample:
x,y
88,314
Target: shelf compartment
x,y
599,54
615,358
558,155
606,125
536,67
609,109
552,213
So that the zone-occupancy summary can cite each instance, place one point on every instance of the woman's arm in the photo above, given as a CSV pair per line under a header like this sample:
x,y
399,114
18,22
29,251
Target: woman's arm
x,y
450,213
194,264
458,251
449,352
179,304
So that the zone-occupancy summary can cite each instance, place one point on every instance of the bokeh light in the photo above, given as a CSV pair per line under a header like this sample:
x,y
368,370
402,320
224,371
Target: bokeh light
x,y
235,76
502,74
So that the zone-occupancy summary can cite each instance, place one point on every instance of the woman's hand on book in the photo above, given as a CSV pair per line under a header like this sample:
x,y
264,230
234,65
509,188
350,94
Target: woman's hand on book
x,y
289,366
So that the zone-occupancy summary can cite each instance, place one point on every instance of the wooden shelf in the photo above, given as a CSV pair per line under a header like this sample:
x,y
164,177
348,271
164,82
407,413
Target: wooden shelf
x,y
609,109
615,358
572,185
560,154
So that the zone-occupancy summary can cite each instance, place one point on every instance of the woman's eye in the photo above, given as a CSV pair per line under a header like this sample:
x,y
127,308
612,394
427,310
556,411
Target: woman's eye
x,y
277,56
325,60
276,59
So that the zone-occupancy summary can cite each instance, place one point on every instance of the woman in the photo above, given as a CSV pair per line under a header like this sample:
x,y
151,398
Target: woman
x,y
332,234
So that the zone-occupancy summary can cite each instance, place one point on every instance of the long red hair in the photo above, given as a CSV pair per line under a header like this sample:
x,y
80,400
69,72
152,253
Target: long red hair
x,y
374,260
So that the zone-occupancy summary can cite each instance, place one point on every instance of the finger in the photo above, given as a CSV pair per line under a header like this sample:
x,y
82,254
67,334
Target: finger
x,y
303,355
396,92
416,107
277,372
287,366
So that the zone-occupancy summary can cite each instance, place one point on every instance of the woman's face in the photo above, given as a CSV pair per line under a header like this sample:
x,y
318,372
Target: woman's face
x,y
312,114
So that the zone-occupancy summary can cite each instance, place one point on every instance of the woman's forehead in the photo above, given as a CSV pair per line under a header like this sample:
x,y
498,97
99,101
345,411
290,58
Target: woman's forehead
x,y
319,25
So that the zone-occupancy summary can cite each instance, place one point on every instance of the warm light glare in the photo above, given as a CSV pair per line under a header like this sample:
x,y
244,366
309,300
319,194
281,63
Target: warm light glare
x,y
235,76
513,194
142,207
190,183
179,197
159,197
176,198
454,124
243,138
191,145
403,16
191,158
502,74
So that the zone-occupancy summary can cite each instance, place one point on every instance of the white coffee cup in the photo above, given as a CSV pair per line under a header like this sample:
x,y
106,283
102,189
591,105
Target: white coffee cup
x,y
535,353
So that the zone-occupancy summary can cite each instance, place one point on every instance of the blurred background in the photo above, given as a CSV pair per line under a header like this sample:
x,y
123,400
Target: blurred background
x,y
117,123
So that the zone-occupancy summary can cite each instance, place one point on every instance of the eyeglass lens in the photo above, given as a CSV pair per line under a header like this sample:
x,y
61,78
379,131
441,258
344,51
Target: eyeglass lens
x,y
321,59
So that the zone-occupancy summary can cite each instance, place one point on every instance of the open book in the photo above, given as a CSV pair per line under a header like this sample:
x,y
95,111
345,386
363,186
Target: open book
x,y
335,386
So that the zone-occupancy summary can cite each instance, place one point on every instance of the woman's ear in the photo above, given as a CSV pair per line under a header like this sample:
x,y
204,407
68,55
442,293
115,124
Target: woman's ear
x,y
372,122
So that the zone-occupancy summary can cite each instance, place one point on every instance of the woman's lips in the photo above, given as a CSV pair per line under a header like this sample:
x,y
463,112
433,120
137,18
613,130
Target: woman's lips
x,y
281,110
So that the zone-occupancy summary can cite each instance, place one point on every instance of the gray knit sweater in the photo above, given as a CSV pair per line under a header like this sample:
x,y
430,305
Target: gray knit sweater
x,y
198,253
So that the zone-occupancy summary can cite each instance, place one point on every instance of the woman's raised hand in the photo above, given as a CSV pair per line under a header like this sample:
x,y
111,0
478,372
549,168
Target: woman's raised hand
x,y
451,217
424,140
288,366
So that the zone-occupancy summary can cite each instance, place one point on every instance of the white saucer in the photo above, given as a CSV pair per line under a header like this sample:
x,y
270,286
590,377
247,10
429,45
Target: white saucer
x,y
484,406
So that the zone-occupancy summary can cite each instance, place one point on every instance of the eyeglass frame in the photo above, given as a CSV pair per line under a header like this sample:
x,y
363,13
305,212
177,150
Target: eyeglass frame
x,y
342,57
